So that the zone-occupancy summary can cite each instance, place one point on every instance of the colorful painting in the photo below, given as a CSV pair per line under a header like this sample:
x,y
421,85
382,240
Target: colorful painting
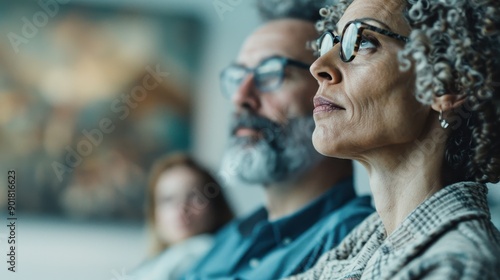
x,y
90,96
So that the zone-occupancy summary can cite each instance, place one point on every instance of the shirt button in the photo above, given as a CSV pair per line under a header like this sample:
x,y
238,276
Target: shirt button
x,y
287,240
254,263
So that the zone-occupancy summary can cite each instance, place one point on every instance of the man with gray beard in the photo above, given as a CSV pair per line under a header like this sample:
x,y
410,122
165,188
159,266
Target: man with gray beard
x,y
276,153
311,204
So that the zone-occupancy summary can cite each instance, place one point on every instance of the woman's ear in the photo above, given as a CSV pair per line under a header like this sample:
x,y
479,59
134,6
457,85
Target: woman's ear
x,y
448,102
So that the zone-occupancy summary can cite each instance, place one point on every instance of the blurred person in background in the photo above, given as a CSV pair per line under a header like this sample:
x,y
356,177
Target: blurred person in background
x,y
311,202
185,206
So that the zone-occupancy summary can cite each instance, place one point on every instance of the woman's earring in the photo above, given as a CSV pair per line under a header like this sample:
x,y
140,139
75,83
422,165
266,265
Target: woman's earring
x,y
442,121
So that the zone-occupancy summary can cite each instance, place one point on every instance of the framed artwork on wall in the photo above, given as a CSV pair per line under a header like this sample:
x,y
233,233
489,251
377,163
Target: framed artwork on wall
x,y
90,96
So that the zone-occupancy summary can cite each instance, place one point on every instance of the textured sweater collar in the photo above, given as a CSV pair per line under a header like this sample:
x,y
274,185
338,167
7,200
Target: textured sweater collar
x,y
450,205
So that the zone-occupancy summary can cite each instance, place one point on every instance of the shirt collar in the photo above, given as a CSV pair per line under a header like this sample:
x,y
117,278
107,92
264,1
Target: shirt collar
x,y
295,224
447,207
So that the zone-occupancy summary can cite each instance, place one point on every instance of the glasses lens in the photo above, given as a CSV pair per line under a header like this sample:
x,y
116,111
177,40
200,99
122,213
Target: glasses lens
x,y
326,43
269,74
349,41
231,79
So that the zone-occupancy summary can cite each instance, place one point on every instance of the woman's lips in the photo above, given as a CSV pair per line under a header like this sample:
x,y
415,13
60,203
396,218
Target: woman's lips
x,y
323,105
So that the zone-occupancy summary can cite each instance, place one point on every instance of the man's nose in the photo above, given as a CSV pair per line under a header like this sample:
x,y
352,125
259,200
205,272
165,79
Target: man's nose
x,y
247,94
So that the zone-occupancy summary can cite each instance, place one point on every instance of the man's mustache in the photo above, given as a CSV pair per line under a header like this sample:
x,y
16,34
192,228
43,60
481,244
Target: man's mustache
x,y
252,121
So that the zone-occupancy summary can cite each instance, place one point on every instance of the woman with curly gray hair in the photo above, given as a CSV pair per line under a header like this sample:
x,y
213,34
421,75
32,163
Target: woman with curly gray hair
x,y
409,88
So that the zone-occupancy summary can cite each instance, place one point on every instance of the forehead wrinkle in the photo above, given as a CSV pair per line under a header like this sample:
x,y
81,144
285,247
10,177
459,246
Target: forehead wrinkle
x,y
258,47
280,37
389,12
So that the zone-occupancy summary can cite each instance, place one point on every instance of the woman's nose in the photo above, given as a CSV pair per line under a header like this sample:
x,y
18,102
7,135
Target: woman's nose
x,y
325,69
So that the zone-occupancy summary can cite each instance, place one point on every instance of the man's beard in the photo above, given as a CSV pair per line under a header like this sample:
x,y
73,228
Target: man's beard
x,y
281,152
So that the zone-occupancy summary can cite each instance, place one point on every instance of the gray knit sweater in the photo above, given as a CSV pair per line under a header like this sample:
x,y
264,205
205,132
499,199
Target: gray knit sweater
x,y
448,236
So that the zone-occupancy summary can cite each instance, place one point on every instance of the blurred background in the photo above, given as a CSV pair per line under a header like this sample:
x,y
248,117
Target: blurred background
x,y
91,93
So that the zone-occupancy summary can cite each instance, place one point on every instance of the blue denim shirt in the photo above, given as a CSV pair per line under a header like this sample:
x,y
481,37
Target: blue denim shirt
x,y
255,248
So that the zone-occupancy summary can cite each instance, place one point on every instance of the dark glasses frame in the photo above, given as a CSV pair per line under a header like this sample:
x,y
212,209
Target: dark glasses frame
x,y
284,61
360,26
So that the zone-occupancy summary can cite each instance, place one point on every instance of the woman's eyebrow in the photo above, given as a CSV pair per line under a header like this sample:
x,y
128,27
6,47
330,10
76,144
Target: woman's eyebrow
x,y
385,26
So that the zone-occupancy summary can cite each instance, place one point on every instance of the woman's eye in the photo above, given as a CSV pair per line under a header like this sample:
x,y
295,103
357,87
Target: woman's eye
x,y
367,43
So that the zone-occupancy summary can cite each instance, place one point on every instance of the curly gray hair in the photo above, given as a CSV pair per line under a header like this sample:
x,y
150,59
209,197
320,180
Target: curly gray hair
x,y
454,48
